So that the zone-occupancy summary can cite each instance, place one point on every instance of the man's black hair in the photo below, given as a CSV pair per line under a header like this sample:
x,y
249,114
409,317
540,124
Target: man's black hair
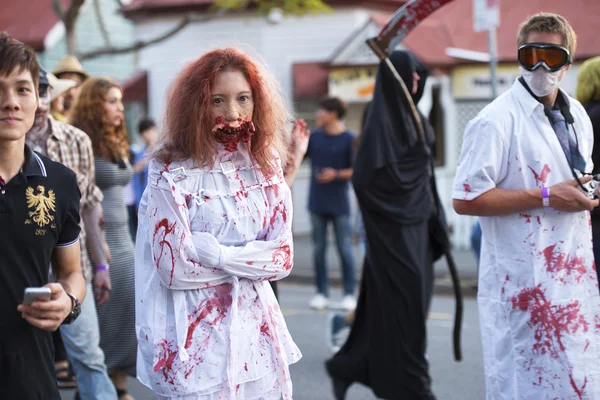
x,y
334,104
145,124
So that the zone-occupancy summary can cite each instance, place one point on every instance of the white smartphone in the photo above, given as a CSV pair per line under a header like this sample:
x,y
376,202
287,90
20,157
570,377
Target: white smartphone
x,y
36,293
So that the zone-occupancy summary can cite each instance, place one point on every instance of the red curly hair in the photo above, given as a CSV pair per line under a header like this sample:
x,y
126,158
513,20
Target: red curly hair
x,y
89,115
188,124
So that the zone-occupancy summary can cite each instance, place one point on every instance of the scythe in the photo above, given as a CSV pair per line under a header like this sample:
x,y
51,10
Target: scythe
x,y
400,24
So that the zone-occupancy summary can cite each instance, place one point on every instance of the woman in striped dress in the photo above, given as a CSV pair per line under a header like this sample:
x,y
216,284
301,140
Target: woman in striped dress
x,y
99,112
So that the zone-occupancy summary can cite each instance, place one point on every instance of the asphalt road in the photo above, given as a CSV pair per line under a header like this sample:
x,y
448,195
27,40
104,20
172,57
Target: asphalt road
x,y
451,380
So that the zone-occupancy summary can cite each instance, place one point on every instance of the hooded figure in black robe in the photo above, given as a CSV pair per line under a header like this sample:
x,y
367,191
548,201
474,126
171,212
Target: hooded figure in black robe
x,y
394,184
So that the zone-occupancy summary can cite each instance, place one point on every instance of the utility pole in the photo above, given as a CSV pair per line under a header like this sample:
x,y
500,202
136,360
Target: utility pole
x,y
493,48
486,17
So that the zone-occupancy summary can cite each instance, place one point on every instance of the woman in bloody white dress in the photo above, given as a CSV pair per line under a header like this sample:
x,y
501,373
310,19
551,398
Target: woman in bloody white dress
x,y
215,226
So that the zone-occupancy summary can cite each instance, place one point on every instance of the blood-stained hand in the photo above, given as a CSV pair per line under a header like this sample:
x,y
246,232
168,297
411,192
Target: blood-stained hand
x,y
327,175
565,196
300,137
48,315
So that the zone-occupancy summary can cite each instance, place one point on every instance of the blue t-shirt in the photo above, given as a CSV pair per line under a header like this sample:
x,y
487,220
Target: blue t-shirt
x,y
330,151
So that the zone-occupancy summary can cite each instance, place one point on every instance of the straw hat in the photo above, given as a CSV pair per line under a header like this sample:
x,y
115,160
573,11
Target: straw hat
x,y
59,86
70,64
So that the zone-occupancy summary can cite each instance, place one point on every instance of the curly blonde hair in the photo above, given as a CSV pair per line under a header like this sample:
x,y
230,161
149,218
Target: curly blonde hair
x,y
89,115
188,124
588,81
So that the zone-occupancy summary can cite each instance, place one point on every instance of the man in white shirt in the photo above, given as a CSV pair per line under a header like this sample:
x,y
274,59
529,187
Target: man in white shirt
x,y
523,160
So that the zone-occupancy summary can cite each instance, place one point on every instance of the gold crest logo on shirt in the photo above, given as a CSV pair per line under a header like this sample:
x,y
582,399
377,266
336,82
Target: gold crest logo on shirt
x,y
42,204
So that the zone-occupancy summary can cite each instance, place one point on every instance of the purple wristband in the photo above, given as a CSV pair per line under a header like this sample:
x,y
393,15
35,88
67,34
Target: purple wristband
x,y
101,267
546,196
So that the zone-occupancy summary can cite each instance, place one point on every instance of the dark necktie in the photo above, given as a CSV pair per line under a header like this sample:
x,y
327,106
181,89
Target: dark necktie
x,y
567,141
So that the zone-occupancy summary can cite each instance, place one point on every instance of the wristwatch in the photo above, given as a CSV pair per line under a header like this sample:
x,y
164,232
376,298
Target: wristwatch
x,y
75,310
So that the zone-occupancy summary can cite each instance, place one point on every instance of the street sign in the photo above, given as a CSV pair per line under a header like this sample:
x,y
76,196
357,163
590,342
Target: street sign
x,y
486,15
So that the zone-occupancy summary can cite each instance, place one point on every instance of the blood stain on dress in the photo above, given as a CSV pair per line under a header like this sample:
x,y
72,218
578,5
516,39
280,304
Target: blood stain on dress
x,y
578,391
165,361
279,209
526,216
264,329
540,179
551,322
220,303
188,372
506,280
562,266
161,172
283,256
274,188
162,242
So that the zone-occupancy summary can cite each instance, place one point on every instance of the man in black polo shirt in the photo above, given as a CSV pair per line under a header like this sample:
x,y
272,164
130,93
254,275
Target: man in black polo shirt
x,y
39,219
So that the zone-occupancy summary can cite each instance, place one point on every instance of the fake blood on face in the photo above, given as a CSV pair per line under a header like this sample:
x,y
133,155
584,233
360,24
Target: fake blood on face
x,y
230,134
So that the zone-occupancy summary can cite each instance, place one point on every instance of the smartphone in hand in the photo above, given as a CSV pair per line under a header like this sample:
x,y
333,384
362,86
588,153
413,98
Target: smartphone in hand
x,y
36,294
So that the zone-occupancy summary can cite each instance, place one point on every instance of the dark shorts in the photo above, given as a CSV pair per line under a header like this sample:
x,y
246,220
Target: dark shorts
x,y
27,366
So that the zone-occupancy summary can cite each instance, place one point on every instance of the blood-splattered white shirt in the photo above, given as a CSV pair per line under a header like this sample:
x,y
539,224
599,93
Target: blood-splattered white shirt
x,y
538,297
208,241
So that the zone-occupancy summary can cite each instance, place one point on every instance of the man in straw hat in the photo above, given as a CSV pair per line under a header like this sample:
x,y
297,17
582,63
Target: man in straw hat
x,y
72,147
70,68
59,87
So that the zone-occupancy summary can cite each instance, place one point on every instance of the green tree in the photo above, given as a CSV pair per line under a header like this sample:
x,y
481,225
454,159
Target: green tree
x,y
69,15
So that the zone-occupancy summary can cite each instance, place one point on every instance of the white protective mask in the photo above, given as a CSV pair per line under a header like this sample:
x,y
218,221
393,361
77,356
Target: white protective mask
x,y
541,82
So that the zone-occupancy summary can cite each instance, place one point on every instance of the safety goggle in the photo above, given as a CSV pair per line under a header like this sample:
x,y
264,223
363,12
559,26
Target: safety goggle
x,y
553,57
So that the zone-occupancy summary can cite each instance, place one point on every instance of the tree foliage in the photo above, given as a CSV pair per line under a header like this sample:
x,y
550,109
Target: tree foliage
x,y
70,14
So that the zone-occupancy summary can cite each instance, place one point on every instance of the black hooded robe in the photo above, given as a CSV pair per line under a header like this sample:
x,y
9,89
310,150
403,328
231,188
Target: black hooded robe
x,y
393,184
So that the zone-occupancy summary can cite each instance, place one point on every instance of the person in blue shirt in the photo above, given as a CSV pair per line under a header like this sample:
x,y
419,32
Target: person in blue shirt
x,y
149,134
330,150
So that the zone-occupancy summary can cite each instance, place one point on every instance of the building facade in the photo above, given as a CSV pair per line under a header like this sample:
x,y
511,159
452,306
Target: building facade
x,y
325,54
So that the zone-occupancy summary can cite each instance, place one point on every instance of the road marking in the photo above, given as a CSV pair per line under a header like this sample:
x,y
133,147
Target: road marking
x,y
442,316
287,312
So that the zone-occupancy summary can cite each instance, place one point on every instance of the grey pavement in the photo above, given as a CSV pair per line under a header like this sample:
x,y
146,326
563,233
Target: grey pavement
x,y
308,330
303,271
451,380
